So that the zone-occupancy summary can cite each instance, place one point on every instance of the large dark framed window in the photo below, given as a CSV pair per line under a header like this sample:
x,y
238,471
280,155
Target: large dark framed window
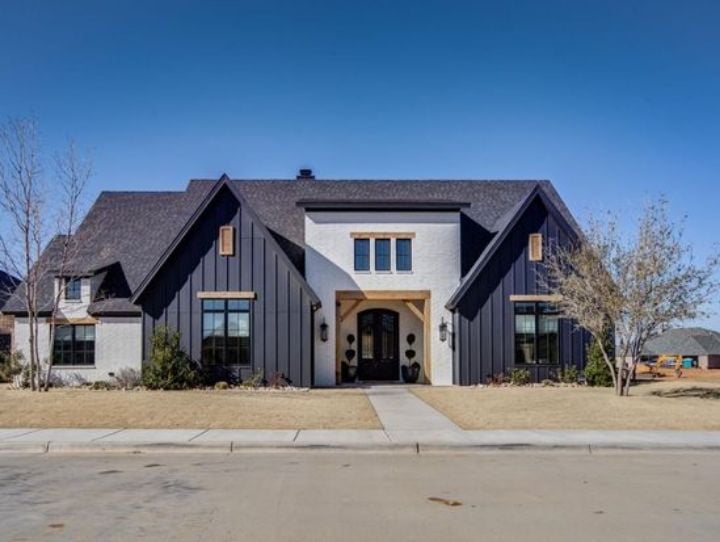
x,y
403,254
382,254
226,332
74,345
73,290
362,254
537,336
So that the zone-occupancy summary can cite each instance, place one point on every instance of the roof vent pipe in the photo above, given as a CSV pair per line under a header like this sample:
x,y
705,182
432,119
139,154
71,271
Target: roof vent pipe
x,y
305,175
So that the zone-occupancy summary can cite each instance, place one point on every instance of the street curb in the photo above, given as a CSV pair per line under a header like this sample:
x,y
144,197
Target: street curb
x,y
24,447
228,447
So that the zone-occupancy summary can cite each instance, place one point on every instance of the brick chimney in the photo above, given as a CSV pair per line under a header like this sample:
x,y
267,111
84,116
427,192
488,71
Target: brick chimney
x,y
305,175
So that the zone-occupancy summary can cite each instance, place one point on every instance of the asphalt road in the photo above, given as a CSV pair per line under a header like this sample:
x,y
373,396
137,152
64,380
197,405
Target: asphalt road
x,y
332,496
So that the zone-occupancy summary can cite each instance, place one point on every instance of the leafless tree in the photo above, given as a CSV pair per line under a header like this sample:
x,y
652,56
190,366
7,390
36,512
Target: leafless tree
x,y
38,214
637,286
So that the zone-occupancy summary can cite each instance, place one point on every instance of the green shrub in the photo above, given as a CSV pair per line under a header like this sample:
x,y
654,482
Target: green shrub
x,y
255,380
102,385
10,366
597,372
519,377
169,368
222,385
568,375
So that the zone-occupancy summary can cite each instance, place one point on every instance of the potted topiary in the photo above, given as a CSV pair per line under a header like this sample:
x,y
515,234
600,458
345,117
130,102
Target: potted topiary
x,y
411,371
347,369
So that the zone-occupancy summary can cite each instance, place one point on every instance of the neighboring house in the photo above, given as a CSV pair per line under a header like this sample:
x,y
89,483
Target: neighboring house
x,y
700,345
274,275
8,283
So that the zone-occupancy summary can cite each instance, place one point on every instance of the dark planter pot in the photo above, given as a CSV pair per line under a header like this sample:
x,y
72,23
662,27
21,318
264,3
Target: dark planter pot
x,y
348,373
410,373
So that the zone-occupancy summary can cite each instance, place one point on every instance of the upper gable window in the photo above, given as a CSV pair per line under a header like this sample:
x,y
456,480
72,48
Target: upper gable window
x,y
382,254
362,254
227,241
535,247
403,254
73,291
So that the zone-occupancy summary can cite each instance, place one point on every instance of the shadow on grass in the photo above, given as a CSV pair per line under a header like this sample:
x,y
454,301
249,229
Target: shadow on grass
x,y
694,391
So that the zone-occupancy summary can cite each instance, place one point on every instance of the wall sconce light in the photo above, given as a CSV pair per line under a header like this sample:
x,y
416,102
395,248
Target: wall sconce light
x,y
324,331
443,328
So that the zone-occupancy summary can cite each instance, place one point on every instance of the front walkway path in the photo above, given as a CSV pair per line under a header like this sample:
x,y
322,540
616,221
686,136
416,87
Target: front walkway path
x,y
406,418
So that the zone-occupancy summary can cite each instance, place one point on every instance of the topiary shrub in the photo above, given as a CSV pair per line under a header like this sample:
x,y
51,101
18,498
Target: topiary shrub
x,y
597,373
169,368
519,377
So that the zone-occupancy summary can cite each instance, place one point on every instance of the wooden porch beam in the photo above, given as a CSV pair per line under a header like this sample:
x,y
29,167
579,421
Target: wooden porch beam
x,y
417,312
351,308
385,295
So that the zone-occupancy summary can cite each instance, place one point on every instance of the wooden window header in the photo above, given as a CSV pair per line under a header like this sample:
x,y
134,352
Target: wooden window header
x,y
536,298
535,247
227,241
382,234
227,295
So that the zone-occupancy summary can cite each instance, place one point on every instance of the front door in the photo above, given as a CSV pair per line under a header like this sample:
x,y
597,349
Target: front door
x,y
378,357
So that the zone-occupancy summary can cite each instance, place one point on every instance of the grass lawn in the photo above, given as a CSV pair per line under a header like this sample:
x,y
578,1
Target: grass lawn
x,y
232,409
679,404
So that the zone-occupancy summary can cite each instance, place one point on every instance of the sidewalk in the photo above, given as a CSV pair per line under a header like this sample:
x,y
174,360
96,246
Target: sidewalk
x,y
410,426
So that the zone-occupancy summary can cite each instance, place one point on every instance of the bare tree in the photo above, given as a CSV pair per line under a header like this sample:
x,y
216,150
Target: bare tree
x,y
637,287
36,215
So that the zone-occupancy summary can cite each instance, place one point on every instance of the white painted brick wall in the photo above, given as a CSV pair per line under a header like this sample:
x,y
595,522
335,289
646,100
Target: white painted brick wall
x,y
329,266
118,344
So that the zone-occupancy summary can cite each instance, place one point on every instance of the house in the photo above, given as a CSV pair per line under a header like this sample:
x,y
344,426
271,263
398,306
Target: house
x,y
8,283
701,346
286,276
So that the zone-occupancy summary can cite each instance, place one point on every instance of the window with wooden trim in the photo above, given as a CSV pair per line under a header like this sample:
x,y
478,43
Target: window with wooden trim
x,y
74,345
225,332
362,254
227,241
537,334
382,254
535,247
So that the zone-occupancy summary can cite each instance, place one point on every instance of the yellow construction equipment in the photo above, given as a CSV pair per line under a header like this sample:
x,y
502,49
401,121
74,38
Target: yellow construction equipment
x,y
664,358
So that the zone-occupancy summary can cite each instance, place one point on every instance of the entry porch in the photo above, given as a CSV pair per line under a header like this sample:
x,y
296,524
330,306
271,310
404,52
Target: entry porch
x,y
380,331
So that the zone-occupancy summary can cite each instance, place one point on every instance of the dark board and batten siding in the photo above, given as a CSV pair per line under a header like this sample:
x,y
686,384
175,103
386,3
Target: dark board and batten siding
x,y
484,318
281,316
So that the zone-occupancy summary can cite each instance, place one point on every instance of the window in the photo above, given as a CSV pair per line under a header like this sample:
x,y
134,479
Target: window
x,y
226,332
73,289
362,254
227,241
403,254
74,345
536,334
535,247
382,254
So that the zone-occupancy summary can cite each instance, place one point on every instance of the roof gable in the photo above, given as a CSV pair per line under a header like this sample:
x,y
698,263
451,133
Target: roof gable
x,y
223,183
506,225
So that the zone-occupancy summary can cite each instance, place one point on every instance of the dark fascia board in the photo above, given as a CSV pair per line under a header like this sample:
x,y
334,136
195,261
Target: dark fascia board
x,y
381,205
224,181
500,236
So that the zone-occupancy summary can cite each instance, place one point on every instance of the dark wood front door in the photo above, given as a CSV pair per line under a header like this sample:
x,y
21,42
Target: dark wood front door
x,y
378,357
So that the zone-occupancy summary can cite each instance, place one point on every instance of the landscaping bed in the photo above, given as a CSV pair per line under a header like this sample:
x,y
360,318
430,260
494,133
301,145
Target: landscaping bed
x,y
215,409
679,404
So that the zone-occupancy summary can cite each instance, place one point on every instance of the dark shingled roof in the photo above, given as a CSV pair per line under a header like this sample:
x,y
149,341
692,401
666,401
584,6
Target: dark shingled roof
x,y
133,229
8,283
689,341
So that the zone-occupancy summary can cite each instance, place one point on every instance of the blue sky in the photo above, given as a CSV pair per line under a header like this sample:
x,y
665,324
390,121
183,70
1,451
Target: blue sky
x,y
613,101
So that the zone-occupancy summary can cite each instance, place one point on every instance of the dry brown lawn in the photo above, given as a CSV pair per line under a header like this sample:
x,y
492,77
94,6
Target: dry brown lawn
x,y
663,405
231,409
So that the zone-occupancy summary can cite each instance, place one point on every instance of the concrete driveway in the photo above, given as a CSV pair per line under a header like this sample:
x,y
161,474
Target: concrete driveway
x,y
363,496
